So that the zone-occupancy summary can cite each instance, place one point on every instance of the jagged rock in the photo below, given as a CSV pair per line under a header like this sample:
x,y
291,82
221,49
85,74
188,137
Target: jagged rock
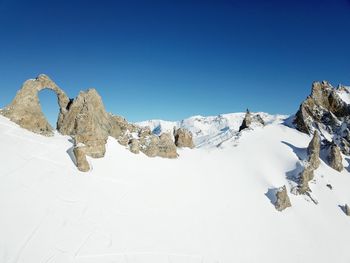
x,y
313,151
347,210
304,178
246,121
282,199
150,145
162,146
312,164
335,159
88,122
166,146
183,138
324,110
249,119
25,109
80,158
134,146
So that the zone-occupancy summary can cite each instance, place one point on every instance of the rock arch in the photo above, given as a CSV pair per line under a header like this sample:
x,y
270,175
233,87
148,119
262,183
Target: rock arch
x,y
25,109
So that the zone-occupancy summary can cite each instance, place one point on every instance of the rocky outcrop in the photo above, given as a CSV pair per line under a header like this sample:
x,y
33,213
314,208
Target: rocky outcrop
x,y
80,159
87,122
162,146
324,110
134,146
282,199
335,158
312,164
183,138
250,119
25,109
313,151
347,210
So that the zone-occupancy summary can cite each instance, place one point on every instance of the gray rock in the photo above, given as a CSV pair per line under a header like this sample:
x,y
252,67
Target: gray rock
x,y
88,122
335,158
313,151
183,138
166,146
80,158
246,121
312,164
25,109
134,146
282,199
347,210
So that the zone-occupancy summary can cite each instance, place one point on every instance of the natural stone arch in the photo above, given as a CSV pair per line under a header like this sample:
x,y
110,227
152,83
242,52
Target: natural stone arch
x,y
25,109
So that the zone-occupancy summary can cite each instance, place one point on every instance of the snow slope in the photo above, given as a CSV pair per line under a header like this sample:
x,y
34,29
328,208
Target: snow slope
x,y
210,205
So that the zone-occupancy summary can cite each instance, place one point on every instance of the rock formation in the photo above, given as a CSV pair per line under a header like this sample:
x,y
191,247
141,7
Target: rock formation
x,y
347,210
312,164
183,138
324,110
246,121
250,119
87,122
134,146
80,158
335,158
282,199
25,109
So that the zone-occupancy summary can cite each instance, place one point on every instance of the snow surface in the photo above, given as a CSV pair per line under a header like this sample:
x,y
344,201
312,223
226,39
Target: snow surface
x,y
210,205
344,94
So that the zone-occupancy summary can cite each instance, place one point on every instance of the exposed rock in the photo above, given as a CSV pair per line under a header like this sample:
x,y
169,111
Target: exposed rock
x,y
329,186
249,119
80,158
313,151
312,164
134,146
149,145
88,122
166,146
304,178
25,109
282,199
347,210
183,138
335,158
324,110
246,121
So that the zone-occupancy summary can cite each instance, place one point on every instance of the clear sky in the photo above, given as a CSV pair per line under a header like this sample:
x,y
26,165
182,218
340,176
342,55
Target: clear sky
x,y
173,59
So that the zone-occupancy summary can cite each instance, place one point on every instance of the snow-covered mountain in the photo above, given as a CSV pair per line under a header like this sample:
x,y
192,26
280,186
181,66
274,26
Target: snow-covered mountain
x,y
212,130
208,205
254,188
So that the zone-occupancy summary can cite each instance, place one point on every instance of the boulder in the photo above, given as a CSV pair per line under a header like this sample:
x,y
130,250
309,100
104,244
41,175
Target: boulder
x,y
282,199
134,146
183,138
335,158
347,210
25,109
166,146
312,164
80,158
313,151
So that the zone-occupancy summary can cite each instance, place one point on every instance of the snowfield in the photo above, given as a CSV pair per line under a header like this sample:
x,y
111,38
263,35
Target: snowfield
x,y
211,205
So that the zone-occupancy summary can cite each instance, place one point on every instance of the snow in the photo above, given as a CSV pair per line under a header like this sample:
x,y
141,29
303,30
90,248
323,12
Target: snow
x,y
210,205
344,94
208,131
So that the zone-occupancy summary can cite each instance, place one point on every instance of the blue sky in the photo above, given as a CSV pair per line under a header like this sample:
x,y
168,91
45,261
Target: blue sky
x,y
173,59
